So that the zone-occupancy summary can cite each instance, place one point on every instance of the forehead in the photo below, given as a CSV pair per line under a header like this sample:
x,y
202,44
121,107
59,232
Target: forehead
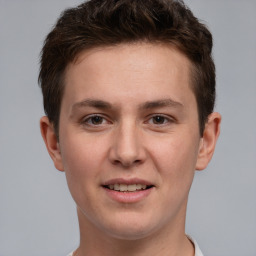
x,y
135,55
124,70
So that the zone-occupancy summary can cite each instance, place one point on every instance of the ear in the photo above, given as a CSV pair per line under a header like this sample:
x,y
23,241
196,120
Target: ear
x,y
208,141
51,142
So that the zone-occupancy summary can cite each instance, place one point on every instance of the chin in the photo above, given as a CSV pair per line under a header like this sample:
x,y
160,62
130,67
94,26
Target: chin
x,y
130,229
129,235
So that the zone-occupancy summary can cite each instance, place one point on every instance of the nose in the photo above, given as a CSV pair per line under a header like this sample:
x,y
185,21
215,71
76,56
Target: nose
x,y
126,147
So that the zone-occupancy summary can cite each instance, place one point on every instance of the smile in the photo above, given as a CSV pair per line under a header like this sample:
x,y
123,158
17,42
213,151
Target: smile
x,y
127,188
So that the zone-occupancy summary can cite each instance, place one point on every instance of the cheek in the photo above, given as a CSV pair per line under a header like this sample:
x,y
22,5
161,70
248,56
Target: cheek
x,y
175,158
80,153
82,159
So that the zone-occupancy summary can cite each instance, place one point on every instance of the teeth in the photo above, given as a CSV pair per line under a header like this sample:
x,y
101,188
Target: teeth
x,y
144,186
125,188
132,187
116,187
138,186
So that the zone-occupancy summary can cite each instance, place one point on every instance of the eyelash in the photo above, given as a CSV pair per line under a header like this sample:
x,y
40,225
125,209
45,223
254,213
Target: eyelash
x,y
89,120
167,119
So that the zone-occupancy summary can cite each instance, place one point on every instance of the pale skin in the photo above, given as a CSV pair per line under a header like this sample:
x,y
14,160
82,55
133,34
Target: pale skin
x,y
129,114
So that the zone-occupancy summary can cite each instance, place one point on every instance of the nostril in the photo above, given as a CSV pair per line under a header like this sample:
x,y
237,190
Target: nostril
x,y
126,163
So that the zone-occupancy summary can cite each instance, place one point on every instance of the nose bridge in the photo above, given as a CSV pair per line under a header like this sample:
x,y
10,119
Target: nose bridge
x,y
127,148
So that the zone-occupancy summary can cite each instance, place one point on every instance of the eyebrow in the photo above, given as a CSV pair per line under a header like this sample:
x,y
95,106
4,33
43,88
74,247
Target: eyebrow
x,y
161,103
92,103
100,104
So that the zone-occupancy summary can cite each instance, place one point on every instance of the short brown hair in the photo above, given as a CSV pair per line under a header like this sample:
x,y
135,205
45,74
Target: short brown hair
x,y
110,22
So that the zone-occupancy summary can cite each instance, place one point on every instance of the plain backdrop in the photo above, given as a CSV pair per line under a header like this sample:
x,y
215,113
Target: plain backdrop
x,y
37,214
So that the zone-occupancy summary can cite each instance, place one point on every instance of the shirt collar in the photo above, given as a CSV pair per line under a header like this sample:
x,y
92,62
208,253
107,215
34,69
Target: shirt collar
x,y
198,252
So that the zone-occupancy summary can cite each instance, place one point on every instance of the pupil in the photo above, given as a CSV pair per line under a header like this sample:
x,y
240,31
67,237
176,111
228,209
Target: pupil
x,y
158,119
97,120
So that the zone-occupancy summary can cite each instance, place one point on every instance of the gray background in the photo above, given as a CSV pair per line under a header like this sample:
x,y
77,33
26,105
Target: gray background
x,y
37,214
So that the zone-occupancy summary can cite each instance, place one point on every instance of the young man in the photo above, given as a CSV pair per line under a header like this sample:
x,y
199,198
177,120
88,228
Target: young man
x,y
129,91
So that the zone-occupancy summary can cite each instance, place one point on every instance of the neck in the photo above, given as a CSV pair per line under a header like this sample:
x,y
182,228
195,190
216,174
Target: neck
x,y
170,240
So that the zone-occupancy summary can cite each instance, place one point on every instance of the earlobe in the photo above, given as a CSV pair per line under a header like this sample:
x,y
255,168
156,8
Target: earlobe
x,y
51,142
208,141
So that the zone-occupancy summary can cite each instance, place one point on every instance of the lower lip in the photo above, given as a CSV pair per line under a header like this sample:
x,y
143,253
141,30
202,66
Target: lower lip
x,y
128,197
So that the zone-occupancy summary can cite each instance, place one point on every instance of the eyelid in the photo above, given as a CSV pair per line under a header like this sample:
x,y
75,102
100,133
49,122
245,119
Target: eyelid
x,y
85,119
106,120
169,119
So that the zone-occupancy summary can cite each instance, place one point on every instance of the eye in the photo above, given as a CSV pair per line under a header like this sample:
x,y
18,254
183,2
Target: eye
x,y
95,120
159,120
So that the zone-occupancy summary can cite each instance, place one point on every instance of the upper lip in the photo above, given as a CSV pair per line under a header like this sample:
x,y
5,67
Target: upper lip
x,y
127,181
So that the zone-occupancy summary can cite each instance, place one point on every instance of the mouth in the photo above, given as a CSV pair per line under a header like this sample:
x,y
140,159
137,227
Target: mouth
x,y
127,187
132,190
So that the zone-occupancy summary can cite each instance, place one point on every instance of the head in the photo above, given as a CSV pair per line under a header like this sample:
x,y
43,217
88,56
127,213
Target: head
x,y
129,90
108,23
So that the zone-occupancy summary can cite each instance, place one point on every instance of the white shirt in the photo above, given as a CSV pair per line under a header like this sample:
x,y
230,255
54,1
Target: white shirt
x,y
197,249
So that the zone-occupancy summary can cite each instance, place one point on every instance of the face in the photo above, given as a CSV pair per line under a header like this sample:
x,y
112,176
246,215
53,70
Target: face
x,y
129,138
